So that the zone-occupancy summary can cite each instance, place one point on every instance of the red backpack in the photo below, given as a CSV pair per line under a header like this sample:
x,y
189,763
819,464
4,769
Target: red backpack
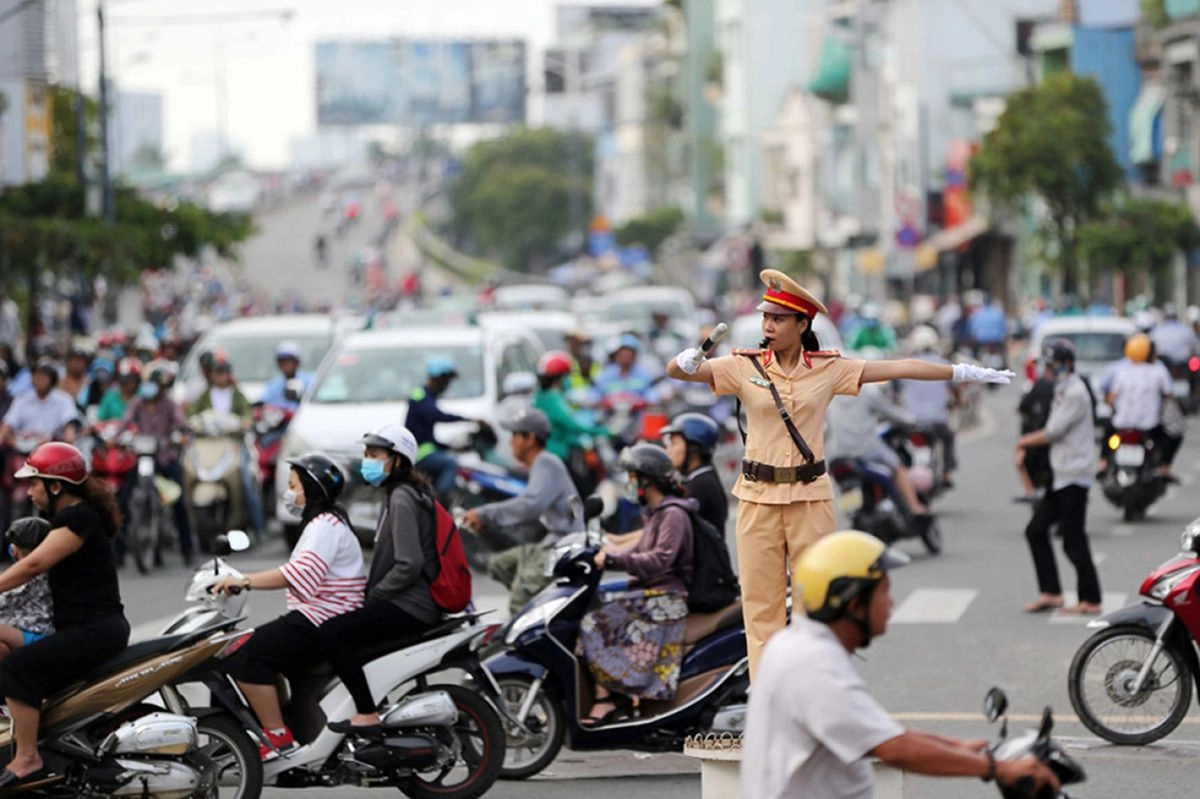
x,y
451,588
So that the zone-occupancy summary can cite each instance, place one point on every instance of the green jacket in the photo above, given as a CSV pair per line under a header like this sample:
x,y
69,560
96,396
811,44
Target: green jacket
x,y
241,406
566,431
112,406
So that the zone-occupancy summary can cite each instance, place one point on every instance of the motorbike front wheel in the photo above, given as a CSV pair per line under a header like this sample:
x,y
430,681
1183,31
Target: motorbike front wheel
x,y
1101,679
527,755
478,738
234,755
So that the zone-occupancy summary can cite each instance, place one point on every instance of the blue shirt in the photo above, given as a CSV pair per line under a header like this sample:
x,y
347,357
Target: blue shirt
x,y
988,324
637,381
424,413
276,391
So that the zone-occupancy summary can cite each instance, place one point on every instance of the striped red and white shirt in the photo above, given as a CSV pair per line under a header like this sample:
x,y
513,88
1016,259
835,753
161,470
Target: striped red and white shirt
x,y
325,574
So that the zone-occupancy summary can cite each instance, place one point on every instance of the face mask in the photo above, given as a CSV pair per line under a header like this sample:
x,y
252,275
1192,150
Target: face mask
x,y
289,502
372,472
148,391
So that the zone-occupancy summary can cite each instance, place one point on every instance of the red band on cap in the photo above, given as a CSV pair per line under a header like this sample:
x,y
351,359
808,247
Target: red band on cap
x,y
789,300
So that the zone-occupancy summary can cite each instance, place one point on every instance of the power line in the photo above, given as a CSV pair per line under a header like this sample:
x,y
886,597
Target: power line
x,y
284,14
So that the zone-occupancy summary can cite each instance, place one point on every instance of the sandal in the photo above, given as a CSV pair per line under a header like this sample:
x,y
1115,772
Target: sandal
x,y
1082,609
1040,605
592,720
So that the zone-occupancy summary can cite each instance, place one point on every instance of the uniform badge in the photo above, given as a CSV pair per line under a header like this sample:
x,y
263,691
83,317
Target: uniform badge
x,y
758,381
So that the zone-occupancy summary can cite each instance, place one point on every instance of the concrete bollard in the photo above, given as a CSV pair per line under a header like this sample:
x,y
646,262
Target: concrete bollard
x,y
720,756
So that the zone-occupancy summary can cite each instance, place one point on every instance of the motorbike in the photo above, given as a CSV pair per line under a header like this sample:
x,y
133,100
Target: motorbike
x,y
1032,743
544,685
870,499
17,491
102,738
212,474
111,453
149,527
1130,480
436,740
1185,377
1131,681
270,424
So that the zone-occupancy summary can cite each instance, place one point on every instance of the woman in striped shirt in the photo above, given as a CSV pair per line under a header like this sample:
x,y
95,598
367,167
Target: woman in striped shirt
x,y
324,578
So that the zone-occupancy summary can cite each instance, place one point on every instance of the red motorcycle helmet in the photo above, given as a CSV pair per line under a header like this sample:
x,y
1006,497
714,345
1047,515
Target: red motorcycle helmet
x,y
55,461
554,364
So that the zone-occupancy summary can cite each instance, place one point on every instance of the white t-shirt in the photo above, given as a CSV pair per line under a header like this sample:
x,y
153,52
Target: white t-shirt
x,y
811,722
1139,390
222,399
325,573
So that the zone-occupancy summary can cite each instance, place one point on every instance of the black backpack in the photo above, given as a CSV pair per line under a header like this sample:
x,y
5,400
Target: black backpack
x,y
713,584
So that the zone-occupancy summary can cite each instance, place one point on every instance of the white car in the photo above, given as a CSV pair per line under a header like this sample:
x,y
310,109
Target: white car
x,y
250,343
530,297
551,327
633,309
367,379
1098,340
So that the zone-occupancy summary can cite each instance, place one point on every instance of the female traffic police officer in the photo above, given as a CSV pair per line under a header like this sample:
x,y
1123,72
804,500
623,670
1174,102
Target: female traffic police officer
x,y
785,498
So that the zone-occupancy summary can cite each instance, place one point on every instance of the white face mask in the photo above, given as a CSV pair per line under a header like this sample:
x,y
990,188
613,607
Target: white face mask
x,y
291,502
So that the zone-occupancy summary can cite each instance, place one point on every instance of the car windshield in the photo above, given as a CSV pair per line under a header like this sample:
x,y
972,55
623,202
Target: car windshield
x,y
390,374
1096,346
253,357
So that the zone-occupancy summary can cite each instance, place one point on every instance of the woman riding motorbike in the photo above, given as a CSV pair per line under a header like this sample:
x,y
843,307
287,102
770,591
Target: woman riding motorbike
x,y
89,619
324,578
567,431
633,642
399,601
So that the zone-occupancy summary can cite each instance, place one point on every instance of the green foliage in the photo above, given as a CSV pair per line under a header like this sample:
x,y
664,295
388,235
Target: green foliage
x,y
64,151
1052,142
650,230
512,198
1138,236
1154,14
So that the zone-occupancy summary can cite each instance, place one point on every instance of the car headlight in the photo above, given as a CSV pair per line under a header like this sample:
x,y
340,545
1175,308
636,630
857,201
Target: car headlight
x,y
1166,584
539,614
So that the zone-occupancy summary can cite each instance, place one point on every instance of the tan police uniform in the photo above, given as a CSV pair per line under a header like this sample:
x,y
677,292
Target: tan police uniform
x,y
777,520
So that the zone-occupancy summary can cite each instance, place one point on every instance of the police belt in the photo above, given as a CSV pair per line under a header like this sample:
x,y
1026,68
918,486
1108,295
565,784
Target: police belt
x,y
757,472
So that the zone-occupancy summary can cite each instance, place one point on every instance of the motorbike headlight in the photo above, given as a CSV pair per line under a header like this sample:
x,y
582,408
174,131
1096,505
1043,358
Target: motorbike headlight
x,y
539,614
1166,584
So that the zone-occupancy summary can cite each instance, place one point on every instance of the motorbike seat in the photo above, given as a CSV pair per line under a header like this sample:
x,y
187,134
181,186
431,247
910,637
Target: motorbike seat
x,y
385,645
699,626
143,650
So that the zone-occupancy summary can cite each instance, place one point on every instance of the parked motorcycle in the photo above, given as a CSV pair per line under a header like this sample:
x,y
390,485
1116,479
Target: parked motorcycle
x,y
212,474
1031,743
870,499
101,738
437,740
1131,682
1131,480
544,685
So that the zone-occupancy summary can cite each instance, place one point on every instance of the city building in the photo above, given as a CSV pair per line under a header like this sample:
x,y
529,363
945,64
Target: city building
x,y
135,132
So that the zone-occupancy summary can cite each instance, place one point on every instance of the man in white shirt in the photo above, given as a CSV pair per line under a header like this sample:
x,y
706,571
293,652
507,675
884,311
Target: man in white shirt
x,y
1137,395
46,411
1174,339
811,738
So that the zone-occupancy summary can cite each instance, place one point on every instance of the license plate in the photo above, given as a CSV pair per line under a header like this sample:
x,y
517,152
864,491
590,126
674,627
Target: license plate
x,y
1182,388
146,466
850,501
1130,456
922,457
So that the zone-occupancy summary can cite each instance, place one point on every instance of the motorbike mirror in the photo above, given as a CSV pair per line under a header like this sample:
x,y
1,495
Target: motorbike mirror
x,y
293,389
593,506
221,546
238,540
995,704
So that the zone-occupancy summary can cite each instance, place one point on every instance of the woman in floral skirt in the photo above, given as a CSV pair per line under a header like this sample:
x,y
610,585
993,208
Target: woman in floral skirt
x,y
633,642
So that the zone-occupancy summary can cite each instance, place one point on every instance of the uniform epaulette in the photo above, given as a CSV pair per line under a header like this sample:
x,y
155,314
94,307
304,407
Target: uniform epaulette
x,y
749,351
826,353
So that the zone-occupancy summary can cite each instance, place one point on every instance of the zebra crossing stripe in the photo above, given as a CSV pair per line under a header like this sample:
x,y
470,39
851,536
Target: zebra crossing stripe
x,y
934,606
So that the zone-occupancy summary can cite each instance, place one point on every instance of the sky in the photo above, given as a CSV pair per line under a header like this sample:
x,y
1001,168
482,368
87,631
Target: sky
x,y
268,63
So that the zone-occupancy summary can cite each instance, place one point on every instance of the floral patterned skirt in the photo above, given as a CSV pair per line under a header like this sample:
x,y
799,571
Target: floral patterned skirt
x,y
633,642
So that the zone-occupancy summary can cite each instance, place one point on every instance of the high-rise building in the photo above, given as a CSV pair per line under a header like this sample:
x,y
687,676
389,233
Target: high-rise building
x,y
135,131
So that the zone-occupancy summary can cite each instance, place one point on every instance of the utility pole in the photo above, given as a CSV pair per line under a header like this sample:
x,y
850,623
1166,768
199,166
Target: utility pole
x,y
107,201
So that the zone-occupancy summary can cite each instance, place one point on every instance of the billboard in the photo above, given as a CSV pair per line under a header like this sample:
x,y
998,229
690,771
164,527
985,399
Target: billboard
x,y
420,82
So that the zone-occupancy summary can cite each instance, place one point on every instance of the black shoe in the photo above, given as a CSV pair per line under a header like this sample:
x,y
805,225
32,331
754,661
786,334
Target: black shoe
x,y
9,780
346,728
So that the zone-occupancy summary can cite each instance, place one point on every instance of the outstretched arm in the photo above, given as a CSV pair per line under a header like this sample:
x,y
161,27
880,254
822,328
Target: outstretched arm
x,y
909,369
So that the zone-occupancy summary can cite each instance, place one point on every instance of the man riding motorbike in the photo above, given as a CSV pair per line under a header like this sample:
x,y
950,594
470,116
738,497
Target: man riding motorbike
x,y
424,414
930,403
871,332
46,412
115,400
75,381
624,374
690,439
584,369
813,736
1138,394
287,358
547,509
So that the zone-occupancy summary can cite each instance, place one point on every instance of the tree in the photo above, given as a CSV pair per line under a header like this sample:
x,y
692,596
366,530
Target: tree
x,y
1052,142
513,197
1139,236
650,230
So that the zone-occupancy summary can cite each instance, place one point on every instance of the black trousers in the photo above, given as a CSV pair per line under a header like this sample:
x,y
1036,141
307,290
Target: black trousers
x,y
342,635
38,670
282,646
1068,508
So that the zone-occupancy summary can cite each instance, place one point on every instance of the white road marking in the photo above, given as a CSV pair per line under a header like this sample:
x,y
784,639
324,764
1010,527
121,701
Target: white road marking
x,y
1122,529
934,606
1109,600
1099,557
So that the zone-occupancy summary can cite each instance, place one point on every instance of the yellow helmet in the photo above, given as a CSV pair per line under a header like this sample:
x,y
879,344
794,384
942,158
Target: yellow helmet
x,y
1137,349
839,567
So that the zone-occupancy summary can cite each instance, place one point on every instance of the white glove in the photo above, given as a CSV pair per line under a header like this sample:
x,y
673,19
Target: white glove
x,y
689,360
969,373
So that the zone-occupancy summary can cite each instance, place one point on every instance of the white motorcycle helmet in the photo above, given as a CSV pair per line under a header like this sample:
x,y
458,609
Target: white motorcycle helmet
x,y
395,437
923,338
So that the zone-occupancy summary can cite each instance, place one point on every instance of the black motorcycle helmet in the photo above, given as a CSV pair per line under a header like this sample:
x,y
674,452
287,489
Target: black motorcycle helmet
x,y
323,472
648,460
1059,351
27,533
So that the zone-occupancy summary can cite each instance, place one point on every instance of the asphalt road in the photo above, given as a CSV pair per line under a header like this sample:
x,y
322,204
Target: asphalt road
x,y
957,629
